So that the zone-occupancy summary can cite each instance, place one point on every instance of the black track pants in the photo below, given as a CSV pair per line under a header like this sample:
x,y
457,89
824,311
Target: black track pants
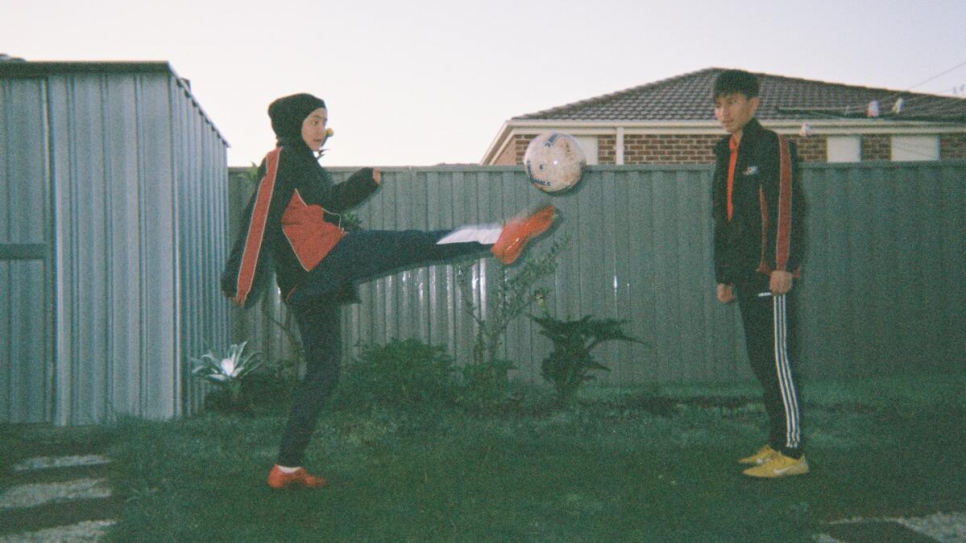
x,y
321,332
765,319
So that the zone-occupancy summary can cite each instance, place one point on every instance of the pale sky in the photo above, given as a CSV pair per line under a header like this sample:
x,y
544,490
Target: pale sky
x,y
424,82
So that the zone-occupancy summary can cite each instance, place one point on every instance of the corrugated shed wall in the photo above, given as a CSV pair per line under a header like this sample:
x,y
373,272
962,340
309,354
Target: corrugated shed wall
x,y
201,176
883,290
135,189
26,371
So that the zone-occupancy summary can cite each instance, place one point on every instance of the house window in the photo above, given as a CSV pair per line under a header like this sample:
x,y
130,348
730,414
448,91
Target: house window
x,y
589,145
844,148
915,148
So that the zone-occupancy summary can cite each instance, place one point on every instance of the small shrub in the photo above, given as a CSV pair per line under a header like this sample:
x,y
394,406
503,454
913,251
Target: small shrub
x,y
485,386
404,373
269,387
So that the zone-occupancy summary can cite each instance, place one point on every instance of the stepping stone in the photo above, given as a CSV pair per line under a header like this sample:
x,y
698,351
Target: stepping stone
x,y
33,495
58,514
79,510
876,531
90,531
938,527
948,527
52,462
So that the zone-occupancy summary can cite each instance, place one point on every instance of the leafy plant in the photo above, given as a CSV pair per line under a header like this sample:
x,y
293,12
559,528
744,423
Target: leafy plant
x,y
570,363
514,292
405,373
227,372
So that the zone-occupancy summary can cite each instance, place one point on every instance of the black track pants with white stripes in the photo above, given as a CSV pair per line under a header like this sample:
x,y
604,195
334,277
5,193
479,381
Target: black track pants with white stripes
x,y
766,324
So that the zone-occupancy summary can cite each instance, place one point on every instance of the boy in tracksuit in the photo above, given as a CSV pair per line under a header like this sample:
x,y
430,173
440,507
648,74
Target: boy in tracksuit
x,y
293,226
757,209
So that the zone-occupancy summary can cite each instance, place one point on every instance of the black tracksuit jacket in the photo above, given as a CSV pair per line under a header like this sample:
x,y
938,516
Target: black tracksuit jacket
x,y
290,223
766,231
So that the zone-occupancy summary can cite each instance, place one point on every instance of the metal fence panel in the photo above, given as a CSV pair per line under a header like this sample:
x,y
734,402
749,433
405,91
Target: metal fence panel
x,y
882,290
884,284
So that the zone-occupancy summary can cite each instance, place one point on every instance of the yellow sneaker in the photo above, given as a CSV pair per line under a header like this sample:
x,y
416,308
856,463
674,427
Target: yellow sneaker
x,y
763,455
779,465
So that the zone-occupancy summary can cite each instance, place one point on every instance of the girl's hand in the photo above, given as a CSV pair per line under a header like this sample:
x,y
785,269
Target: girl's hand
x,y
377,175
726,293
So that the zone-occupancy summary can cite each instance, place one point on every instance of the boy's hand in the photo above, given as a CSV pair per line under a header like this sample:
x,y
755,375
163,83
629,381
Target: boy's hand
x,y
726,293
376,175
780,282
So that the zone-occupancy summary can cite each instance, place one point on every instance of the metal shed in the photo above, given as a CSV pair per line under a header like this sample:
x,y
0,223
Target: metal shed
x,y
112,207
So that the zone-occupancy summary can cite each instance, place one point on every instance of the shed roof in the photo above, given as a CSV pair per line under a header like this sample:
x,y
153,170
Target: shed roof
x,y
14,68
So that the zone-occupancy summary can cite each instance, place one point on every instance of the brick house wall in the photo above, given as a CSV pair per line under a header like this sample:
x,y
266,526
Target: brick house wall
x,y
876,147
812,148
668,149
607,149
699,149
512,154
521,147
952,147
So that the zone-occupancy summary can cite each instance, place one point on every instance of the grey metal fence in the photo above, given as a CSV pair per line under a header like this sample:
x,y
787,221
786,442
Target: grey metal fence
x,y
883,287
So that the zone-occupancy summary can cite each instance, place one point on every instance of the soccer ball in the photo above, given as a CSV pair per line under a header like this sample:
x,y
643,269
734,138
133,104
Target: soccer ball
x,y
554,161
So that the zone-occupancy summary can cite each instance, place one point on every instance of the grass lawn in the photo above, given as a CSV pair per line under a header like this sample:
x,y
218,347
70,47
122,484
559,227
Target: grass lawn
x,y
622,465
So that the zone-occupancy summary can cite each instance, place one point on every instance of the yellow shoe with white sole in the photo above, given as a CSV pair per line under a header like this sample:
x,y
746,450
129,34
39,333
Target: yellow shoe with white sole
x,y
779,465
763,455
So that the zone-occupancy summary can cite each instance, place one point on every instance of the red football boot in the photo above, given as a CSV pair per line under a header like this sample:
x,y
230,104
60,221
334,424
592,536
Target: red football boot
x,y
279,479
518,232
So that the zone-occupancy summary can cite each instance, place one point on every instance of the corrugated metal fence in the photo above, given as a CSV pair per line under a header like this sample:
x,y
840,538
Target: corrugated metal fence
x,y
883,289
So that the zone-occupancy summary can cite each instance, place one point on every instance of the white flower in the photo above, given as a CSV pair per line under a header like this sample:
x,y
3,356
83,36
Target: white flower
x,y
225,370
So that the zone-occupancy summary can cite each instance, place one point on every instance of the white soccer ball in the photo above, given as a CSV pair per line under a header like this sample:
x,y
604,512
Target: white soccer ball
x,y
554,161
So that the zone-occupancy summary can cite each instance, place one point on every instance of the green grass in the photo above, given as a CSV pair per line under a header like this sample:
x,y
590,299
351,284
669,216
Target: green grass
x,y
623,465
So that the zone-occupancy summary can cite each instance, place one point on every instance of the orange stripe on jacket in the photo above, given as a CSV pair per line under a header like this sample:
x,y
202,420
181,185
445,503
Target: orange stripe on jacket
x,y
256,228
783,238
763,266
783,235
732,162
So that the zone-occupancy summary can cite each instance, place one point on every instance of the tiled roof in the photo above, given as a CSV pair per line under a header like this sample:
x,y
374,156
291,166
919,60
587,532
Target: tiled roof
x,y
688,98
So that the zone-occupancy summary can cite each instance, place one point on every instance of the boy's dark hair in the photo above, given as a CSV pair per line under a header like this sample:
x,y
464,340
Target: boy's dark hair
x,y
736,82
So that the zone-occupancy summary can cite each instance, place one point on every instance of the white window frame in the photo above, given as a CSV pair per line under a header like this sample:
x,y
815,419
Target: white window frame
x,y
590,147
915,148
843,148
